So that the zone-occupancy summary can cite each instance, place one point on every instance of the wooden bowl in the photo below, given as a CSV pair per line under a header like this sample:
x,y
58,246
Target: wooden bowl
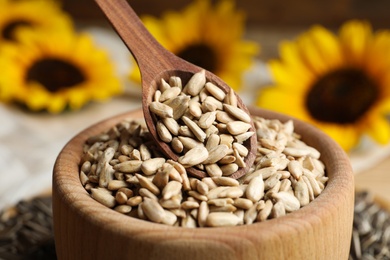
x,y
85,229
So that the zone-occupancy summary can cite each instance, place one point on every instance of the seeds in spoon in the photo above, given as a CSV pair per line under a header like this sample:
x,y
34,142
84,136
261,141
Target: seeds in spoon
x,y
195,108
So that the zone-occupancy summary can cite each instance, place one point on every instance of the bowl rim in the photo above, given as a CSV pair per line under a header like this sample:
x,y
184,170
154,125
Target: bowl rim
x,y
69,191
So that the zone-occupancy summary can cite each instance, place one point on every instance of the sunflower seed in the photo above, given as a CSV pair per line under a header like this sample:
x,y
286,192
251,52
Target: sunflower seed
x,y
278,210
225,181
295,169
213,170
243,203
163,132
255,189
219,219
153,210
237,127
189,143
172,203
117,184
239,160
231,98
266,211
177,145
175,82
172,188
250,215
103,196
196,83
231,192
194,109
164,85
197,195
194,156
179,106
215,91
206,120
241,138
229,169
290,202
211,104
148,184
202,187
170,93
150,166
195,129
272,180
224,117
121,198
237,113
134,201
216,154
161,109
169,218
131,166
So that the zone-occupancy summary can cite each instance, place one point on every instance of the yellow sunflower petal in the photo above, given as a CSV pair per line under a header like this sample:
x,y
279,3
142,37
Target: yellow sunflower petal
x,y
32,14
274,99
348,72
346,136
292,60
201,27
379,130
93,73
354,37
327,45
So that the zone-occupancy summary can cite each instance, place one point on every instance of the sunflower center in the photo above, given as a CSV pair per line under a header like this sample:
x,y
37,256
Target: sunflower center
x,y
342,96
8,30
55,74
201,55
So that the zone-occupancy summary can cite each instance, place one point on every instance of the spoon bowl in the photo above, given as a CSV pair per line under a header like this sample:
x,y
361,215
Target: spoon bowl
x,y
156,63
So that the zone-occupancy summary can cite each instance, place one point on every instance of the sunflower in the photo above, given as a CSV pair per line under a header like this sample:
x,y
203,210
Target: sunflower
x,y
55,71
208,36
338,82
42,14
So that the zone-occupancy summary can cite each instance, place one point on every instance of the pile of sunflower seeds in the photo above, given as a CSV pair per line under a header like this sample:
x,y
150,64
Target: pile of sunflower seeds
x,y
371,229
123,170
26,230
202,124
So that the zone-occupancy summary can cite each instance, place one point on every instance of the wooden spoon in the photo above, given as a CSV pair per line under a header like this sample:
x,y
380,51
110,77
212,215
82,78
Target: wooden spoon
x,y
155,63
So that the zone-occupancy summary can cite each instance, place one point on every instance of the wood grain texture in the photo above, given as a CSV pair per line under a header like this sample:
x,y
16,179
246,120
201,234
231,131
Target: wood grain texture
x,y
85,229
156,63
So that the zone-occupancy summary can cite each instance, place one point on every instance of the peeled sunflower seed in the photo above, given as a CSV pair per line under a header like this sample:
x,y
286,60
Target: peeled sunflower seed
x,y
196,83
255,189
219,219
237,113
194,156
153,210
161,109
290,202
216,154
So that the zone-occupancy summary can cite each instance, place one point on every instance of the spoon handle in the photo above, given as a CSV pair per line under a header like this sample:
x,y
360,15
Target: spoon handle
x,y
150,56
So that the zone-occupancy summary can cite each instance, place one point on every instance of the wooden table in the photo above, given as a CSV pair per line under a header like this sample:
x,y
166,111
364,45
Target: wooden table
x,y
376,180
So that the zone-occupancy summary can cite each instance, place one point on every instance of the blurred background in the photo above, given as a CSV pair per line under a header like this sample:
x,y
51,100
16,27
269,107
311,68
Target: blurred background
x,y
268,21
